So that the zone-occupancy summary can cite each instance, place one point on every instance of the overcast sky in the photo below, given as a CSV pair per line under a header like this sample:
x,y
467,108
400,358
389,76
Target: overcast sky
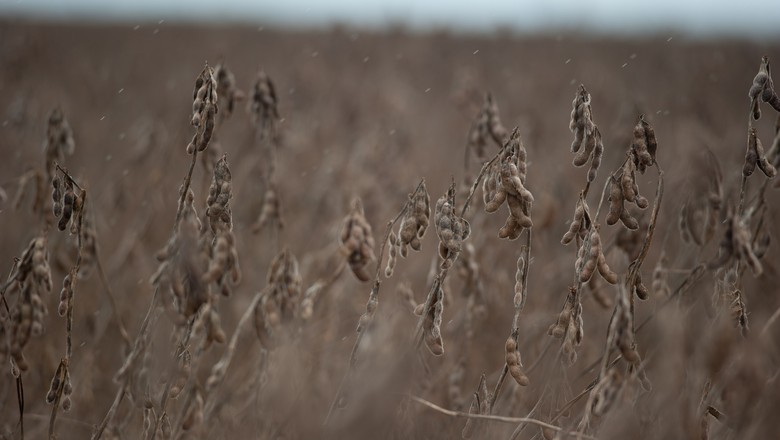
x,y
754,18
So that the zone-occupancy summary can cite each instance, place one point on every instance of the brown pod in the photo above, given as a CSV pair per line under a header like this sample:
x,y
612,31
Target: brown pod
x,y
640,289
606,273
652,143
751,154
763,164
576,224
67,208
755,110
598,152
582,157
628,220
56,196
512,358
627,181
579,136
615,202
774,101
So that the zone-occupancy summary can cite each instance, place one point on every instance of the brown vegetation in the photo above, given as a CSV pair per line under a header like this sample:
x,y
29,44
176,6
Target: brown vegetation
x,y
248,325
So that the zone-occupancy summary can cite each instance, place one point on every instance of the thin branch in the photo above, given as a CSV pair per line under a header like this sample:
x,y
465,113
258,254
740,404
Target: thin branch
x,y
184,190
123,373
503,419
219,369
112,301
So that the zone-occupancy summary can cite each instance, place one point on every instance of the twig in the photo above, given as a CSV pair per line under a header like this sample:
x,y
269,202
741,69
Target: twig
x,y
123,373
520,427
498,418
184,190
112,301
219,369
189,330
770,321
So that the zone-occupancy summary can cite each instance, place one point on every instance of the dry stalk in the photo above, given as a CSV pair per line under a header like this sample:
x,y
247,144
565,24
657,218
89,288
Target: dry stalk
x,y
371,306
499,418
219,369
513,364
204,111
75,207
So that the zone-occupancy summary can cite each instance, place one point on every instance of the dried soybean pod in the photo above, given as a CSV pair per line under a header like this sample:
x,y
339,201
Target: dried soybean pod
x,y
615,202
512,357
598,152
751,154
576,224
56,196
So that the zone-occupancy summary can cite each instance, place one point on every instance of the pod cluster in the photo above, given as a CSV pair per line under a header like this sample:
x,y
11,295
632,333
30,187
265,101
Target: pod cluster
x,y
357,241
587,143
450,227
505,182
763,89
204,110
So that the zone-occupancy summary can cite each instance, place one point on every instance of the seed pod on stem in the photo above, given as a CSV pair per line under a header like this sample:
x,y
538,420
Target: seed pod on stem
x,y
204,110
357,241
514,363
510,176
59,141
415,221
595,259
226,88
763,89
755,155
579,224
644,145
271,212
587,138
451,228
486,124
432,324
262,106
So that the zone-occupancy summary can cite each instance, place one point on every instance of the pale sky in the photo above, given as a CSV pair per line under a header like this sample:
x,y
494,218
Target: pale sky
x,y
752,18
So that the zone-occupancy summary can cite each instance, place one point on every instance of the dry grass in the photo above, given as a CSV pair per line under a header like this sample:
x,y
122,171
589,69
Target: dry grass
x,y
244,325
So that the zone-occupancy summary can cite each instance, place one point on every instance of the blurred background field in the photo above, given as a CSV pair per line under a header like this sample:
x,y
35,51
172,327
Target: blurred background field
x,y
368,109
